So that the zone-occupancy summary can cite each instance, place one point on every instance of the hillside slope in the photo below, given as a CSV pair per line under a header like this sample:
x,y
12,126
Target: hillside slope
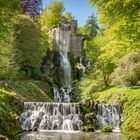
x,y
12,96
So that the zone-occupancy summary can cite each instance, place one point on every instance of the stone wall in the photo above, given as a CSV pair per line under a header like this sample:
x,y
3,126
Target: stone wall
x,y
76,40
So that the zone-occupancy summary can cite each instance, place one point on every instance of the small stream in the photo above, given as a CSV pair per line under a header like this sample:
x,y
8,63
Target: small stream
x,y
53,135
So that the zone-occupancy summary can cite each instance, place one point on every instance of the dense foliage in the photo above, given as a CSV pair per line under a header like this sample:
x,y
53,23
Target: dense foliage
x,y
21,55
118,36
68,16
28,43
8,10
90,28
113,49
121,19
48,18
114,56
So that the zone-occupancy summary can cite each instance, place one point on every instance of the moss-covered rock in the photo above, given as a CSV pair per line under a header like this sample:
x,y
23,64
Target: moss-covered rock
x,y
88,128
88,111
87,106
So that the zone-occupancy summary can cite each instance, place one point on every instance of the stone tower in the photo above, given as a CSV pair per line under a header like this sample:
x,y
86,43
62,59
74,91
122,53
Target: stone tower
x,y
32,8
75,39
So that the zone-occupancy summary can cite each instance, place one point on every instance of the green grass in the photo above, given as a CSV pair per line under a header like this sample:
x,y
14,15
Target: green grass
x,y
12,95
129,99
33,91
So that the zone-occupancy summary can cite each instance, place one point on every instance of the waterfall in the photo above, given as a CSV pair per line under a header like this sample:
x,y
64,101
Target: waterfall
x,y
64,44
57,96
61,94
51,116
66,116
82,66
109,114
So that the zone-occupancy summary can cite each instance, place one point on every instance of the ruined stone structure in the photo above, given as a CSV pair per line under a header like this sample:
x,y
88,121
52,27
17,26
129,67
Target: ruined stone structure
x,y
62,60
76,41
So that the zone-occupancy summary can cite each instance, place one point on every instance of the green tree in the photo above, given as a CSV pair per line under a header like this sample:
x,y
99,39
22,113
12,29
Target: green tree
x,y
102,63
28,42
68,16
8,65
52,15
91,27
81,30
10,4
121,19
48,20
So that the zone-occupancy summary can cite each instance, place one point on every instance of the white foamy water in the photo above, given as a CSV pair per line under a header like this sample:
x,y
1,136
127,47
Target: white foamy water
x,y
51,116
109,114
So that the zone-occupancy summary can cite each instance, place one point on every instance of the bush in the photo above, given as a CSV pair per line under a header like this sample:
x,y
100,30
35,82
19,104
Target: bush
x,y
106,128
128,70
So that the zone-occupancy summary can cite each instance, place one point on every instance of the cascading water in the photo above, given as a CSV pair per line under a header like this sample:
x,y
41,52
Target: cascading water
x,y
109,114
57,96
51,116
64,60
63,45
65,116
83,67
61,94
55,116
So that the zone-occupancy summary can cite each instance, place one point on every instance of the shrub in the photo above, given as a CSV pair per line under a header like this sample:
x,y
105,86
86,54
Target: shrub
x,y
106,128
128,70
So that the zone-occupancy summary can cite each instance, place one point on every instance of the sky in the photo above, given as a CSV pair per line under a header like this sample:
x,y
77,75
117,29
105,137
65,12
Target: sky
x,y
80,9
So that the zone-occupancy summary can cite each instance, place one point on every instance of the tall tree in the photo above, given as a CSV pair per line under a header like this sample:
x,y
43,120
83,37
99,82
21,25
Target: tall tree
x,y
10,4
121,22
28,42
91,26
121,19
52,15
8,66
